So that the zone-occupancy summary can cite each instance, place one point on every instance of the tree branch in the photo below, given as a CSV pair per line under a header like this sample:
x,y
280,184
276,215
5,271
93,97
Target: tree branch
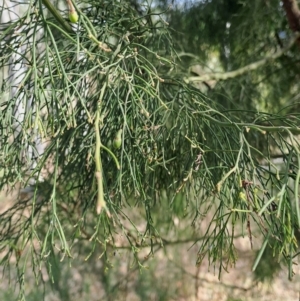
x,y
293,14
243,70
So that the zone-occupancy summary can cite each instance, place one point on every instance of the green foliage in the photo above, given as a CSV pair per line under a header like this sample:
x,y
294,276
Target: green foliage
x,y
268,266
238,33
183,154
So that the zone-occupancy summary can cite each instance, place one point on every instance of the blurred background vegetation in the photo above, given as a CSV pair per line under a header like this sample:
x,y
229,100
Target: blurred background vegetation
x,y
197,199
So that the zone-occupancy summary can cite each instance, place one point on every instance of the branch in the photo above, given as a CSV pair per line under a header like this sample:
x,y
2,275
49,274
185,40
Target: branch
x,y
98,173
261,128
57,16
293,14
243,70
101,204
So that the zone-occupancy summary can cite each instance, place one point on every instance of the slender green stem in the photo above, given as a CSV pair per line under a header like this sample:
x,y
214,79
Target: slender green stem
x,y
101,204
232,170
112,155
57,15
263,129
100,195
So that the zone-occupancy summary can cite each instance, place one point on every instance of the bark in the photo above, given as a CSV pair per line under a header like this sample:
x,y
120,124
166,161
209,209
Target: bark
x,y
293,14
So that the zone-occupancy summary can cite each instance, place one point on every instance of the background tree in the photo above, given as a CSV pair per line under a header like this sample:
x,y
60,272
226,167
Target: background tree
x,y
189,111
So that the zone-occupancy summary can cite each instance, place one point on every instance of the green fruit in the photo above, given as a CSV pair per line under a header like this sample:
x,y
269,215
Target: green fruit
x,y
118,140
73,16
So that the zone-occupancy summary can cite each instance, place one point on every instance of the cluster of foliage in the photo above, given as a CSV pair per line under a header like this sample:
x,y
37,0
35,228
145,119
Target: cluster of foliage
x,y
191,149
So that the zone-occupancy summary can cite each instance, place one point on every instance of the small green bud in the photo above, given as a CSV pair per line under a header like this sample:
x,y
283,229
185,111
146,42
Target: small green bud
x,y
73,16
242,196
118,140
